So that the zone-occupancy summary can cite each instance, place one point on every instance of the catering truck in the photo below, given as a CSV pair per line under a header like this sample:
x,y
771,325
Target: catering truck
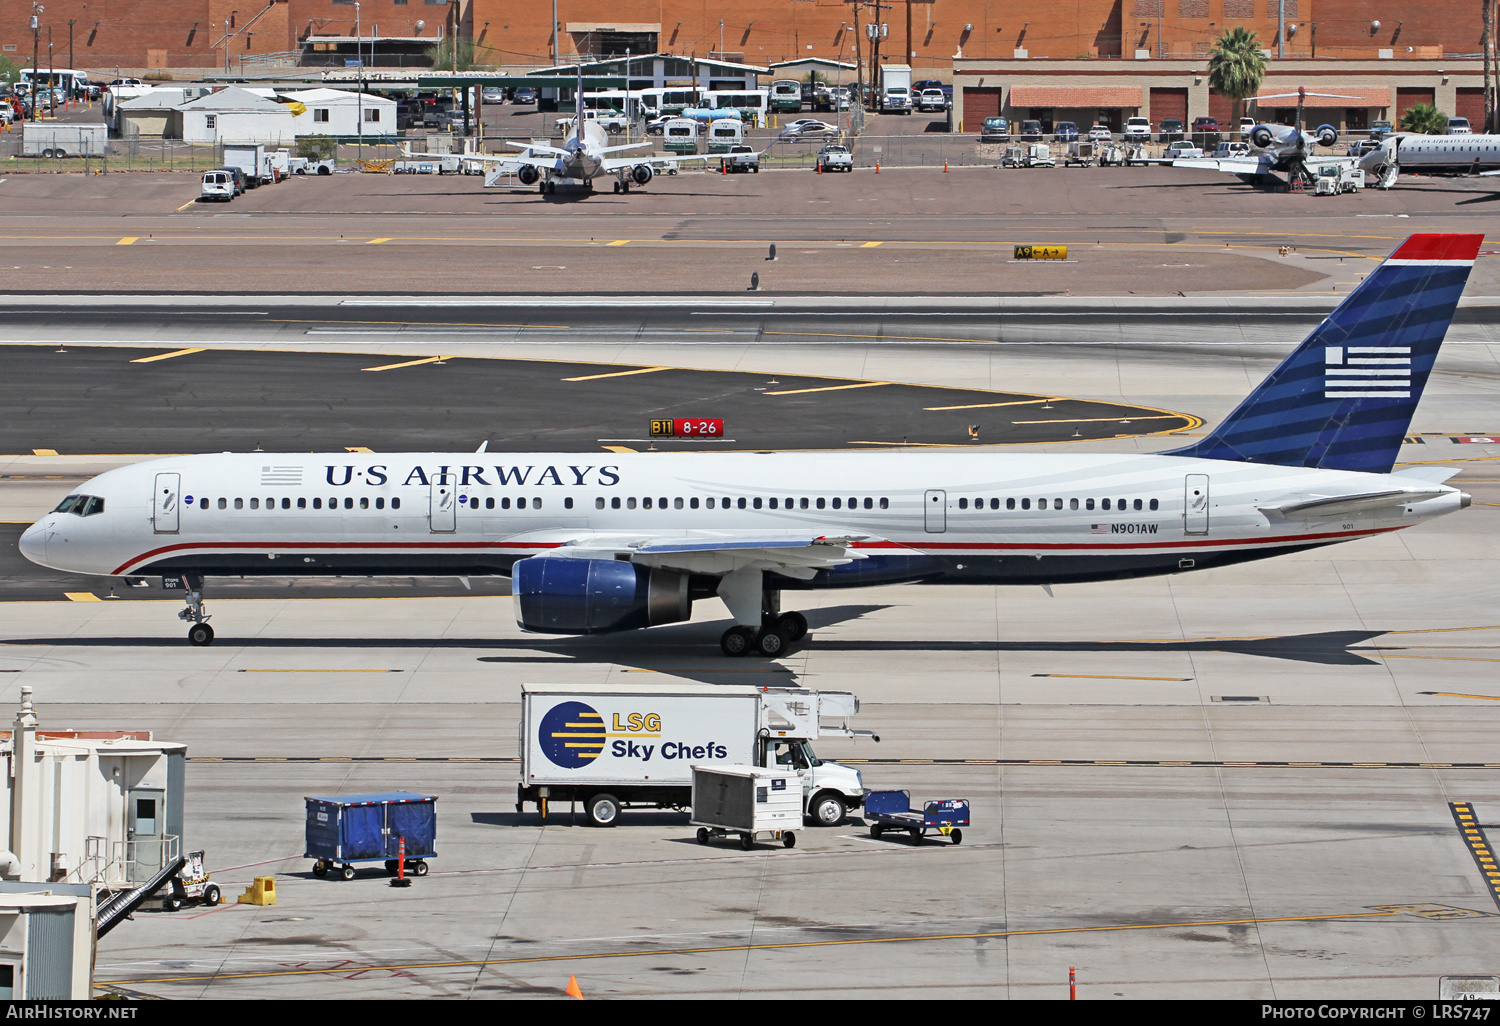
x,y
616,747
895,89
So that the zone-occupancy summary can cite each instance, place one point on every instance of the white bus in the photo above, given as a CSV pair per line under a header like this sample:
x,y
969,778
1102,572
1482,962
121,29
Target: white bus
x,y
73,83
669,100
753,104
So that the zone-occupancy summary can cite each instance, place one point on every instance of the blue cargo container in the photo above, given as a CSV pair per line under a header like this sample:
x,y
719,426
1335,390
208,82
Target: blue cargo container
x,y
368,828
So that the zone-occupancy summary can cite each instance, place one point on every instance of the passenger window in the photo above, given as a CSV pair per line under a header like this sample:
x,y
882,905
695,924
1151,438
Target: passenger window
x,y
536,503
836,501
395,504
853,503
239,503
630,503
741,503
202,504
317,503
693,502
646,502
1088,503
599,502
884,503
772,502
1057,504
1153,504
1072,503
301,502
286,503
677,503
1137,503
349,502
568,502
380,503
994,504
223,504
822,502
504,502
1010,503
1120,504
963,503
255,504
364,502
757,502
869,503
489,502
1104,504
1025,503
614,502
333,503
802,503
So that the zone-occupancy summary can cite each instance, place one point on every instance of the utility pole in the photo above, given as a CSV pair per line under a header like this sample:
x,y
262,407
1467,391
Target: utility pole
x,y
359,103
859,72
36,37
70,43
51,77
554,33
909,51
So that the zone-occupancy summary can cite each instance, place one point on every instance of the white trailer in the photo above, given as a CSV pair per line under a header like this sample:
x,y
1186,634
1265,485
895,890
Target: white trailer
x,y
614,747
251,159
51,139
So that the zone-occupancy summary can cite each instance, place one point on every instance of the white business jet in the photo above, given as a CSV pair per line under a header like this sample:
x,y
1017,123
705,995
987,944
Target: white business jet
x,y
1280,149
595,544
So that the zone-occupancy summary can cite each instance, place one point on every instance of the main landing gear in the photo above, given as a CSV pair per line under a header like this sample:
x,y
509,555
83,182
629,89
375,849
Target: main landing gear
x,y
200,633
776,634
623,185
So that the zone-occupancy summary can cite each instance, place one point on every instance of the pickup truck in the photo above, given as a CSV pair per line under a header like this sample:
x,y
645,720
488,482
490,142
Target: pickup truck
x,y
740,159
835,158
611,121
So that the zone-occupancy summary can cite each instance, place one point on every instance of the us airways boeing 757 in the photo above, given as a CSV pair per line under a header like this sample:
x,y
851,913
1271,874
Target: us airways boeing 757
x,y
595,544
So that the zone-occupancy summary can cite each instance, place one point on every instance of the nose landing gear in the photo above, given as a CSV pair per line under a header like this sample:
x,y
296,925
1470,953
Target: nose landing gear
x,y
200,633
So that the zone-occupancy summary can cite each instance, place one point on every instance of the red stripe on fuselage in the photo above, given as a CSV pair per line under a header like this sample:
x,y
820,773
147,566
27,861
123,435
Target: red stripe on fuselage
x,y
917,547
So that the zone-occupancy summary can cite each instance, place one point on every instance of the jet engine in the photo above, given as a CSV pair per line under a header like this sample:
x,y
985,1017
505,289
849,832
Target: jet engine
x,y
528,174
1262,136
1327,135
595,596
641,174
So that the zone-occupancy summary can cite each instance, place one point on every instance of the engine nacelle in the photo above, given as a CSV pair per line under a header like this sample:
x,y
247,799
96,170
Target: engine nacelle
x,y
1327,135
641,174
528,174
595,596
1262,136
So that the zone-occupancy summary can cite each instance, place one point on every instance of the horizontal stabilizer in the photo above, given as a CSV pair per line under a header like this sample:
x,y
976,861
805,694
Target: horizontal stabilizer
x,y
1338,505
1433,475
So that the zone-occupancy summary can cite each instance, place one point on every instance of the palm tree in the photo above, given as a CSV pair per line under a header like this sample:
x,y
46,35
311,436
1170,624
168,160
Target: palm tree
x,y
1424,119
1236,66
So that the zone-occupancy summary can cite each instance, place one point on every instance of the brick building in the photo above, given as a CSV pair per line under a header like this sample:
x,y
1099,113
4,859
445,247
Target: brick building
x,y
145,34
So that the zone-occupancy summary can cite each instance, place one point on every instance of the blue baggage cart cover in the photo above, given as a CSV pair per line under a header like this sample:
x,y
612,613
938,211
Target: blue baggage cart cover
x,y
369,826
380,798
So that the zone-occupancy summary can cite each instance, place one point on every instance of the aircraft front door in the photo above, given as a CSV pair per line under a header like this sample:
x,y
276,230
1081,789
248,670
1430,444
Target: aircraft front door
x,y
1195,502
935,510
444,504
165,503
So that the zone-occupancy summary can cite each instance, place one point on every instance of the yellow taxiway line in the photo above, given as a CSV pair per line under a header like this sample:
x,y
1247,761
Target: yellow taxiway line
x,y
830,388
168,356
618,374
408,363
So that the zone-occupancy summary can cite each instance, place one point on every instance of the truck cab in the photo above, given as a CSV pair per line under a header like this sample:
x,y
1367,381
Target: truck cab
x,y
830,790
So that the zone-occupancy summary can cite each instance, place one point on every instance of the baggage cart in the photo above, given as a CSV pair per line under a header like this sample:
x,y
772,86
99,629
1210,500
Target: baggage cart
x,y
746,801
891,810
345,830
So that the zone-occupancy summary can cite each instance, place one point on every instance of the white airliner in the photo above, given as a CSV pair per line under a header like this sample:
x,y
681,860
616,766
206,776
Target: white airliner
x,y
595,543
1406,152
584,156
1280,149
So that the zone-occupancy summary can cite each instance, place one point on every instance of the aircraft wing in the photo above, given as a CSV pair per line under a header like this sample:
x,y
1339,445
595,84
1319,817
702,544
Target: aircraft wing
x,y
1338,505
535,148
478,158
615,163
713,552
1229,165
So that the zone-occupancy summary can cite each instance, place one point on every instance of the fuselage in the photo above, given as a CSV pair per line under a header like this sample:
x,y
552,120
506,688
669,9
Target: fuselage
x,y
1436,152
975,518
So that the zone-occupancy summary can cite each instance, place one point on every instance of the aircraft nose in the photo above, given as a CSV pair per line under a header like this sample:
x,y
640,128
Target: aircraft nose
x,y
33,543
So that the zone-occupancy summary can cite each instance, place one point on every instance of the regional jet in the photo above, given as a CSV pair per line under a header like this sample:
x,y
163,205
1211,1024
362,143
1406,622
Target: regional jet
x,y
596,543
1451,154
1282,149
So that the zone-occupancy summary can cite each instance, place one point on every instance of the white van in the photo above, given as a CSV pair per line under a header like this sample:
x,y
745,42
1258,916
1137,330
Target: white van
x,y
680,135
724,134
218,185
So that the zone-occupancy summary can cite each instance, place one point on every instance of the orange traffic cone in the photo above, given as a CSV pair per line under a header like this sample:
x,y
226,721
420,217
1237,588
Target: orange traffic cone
x,y
723,168
877,167
572,990
945,167
819,168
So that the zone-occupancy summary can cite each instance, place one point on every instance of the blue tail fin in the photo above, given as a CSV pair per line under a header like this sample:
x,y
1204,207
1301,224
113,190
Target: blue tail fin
x,y
1345,398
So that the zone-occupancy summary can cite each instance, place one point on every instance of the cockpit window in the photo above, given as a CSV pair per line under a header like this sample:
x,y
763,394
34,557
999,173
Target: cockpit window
x,y
82,505
94,505
67,504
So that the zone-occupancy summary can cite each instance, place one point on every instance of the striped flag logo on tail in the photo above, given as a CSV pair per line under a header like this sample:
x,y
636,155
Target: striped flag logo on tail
x,y
1367,372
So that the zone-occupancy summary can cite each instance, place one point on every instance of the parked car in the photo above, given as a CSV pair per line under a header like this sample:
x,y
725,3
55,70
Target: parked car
x,y
803,127
524,95
918,88
1171,130
1181,149
492,94
1459,126
835,158
1246,124
1206,131
217,185
840,96
1137,129
1101,133
1360,147
1031,131
656,126
1381,129
739,159
994,130
1232,149
1065,131
931,100
239,178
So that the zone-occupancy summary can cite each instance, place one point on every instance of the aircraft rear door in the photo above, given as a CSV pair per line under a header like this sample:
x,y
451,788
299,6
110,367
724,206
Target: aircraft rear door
x,y
935,511
1195,502
165,503
444,504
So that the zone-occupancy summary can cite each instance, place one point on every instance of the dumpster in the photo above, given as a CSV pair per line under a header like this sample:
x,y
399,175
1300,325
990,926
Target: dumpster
x,y
349,829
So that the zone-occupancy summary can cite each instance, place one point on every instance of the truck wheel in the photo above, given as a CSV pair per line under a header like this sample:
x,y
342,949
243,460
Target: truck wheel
x,y
324,169
702,835
827,809
211,895
604,810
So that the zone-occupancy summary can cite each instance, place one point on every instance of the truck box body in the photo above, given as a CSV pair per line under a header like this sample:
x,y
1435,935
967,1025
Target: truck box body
x,y
361,827
54,140
639,745
895,88
249,159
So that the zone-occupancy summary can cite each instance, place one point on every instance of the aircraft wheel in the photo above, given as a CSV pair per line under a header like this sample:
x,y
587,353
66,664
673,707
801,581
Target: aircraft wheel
x,y
617,187
541,187
551,188
793,625
771,643
737,641
200,634
625,187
